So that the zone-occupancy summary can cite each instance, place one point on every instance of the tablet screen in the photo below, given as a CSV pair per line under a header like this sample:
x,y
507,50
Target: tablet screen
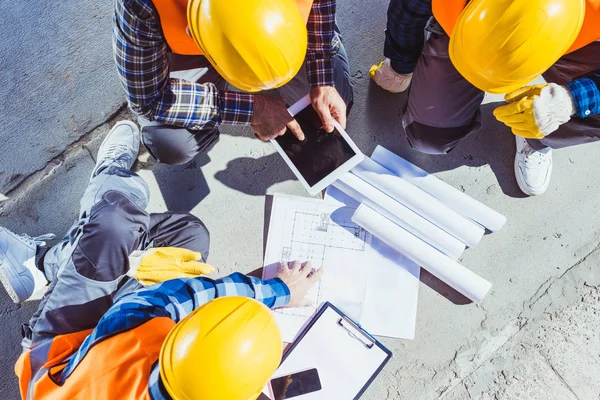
x,y
320,153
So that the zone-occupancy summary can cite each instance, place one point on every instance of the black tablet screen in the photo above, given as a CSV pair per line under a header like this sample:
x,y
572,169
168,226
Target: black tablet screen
x,y
320,153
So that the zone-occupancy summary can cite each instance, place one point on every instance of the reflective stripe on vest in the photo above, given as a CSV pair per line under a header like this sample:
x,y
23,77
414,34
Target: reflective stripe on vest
x,y
120,364
446,13
173,20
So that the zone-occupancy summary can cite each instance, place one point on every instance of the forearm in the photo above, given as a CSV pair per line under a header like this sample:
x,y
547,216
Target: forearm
x,y
320,53
177,298
405,34
586,95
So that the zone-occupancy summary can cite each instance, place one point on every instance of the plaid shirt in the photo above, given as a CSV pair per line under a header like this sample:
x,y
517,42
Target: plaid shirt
x,y
586,94
140,52
405,38
176,299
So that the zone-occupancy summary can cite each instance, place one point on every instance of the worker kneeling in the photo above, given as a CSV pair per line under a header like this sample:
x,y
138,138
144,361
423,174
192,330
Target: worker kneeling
x,y
497,46
125,312
180,59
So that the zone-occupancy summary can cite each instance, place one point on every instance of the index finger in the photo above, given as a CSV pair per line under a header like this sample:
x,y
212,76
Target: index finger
x,y
296,129
317,275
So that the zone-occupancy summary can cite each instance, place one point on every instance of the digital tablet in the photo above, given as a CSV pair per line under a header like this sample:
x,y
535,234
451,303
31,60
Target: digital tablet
x,y
321,158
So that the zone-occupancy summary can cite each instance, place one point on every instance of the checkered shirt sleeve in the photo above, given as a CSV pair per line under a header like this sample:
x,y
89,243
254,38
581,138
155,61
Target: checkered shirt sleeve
x,y
140,54
586,94
405,33
320,52
176,299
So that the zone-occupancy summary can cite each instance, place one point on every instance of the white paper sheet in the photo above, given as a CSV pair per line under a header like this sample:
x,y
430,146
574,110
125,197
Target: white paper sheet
x,y
344,364
449,271
419,201
450,196
394,277
364,193
314,230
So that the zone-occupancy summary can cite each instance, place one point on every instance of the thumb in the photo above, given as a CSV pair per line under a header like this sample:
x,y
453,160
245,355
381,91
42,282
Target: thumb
x,y
196,268
325,116
524,91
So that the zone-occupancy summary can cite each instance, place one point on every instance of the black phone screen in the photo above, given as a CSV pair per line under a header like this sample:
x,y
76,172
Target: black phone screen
x,y
320,153
296,384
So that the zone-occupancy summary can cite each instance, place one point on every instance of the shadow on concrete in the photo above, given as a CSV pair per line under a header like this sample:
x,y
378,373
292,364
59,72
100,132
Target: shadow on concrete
x,y
492,145
182,186
254,176
443,289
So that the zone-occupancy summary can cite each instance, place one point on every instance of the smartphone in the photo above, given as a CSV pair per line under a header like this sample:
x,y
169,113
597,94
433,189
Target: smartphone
x,y
296,384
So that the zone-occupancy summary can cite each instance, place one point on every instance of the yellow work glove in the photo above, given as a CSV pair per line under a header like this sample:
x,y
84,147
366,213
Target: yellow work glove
x,y
388,79
163,263
536,111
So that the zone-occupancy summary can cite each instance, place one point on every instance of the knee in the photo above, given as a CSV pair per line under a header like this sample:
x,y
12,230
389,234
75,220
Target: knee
x,y
434,140
116,220
165,150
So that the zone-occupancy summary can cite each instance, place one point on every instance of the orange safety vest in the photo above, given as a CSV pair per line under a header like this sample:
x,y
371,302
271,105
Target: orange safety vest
x,y
117,367
446,13
173,20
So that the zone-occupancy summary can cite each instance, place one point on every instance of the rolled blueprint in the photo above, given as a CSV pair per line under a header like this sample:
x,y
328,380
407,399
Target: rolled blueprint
x,y
455,199
362,192
419,201
449,271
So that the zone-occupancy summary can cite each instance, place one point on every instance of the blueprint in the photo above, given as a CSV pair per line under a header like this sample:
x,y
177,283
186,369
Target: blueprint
x,y
322,232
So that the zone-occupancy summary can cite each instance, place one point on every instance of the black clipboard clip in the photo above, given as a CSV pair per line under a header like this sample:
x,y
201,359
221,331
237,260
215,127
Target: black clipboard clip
x,y
346,322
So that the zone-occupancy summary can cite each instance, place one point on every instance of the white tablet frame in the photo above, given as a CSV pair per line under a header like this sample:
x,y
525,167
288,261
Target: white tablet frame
x,y
335,174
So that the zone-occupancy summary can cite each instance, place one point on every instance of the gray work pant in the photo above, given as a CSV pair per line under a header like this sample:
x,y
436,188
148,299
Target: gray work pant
x,y
175,145
443,107
87,268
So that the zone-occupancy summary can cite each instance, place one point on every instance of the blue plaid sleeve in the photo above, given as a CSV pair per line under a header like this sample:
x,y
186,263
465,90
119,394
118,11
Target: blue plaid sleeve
x,y
176,299
320,51
405,33
140,53
586,96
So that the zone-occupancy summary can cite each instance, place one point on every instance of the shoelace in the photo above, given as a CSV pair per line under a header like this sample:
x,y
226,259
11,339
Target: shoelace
x,y
533,156
115,150
37,240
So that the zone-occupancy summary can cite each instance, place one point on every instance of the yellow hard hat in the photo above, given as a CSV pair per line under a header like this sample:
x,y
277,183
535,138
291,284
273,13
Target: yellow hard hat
x,y
255,45
501,45
226,350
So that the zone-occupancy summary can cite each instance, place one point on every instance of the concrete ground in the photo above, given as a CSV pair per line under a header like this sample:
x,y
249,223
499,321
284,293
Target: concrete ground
x,y
535,336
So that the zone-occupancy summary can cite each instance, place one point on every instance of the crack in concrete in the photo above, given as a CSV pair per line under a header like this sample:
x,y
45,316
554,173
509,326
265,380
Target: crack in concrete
x,y
15,194
558,375
483,353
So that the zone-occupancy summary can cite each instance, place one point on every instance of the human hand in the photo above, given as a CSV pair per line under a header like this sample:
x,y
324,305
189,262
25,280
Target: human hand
x,y
270,118
299,279
164,263
328,103
536,111
388,79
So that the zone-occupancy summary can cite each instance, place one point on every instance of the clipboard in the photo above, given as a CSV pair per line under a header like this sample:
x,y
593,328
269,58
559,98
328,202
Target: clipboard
x,y
347,357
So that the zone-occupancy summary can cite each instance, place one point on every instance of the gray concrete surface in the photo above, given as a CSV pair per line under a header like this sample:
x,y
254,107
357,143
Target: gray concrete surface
x,y
535,336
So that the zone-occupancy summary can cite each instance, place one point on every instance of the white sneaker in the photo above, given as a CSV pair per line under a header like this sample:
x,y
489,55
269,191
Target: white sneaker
x,y
533,168
120,147
18,273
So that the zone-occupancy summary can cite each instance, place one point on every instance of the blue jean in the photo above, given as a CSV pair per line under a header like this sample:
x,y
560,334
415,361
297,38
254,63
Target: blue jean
x,y
87,268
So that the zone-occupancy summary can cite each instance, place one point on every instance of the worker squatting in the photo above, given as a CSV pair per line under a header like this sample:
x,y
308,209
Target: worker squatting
x,y
125,310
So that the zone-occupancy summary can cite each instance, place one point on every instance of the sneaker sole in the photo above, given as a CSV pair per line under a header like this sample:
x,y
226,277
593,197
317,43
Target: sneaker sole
x,y
9,289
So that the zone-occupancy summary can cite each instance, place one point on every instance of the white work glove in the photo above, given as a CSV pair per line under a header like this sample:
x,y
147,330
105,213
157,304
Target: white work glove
x,y
536,111
388,79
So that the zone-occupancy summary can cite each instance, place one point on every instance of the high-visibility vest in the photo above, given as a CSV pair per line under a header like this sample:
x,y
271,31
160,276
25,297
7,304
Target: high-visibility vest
x,y
117,367
173,20
446,13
